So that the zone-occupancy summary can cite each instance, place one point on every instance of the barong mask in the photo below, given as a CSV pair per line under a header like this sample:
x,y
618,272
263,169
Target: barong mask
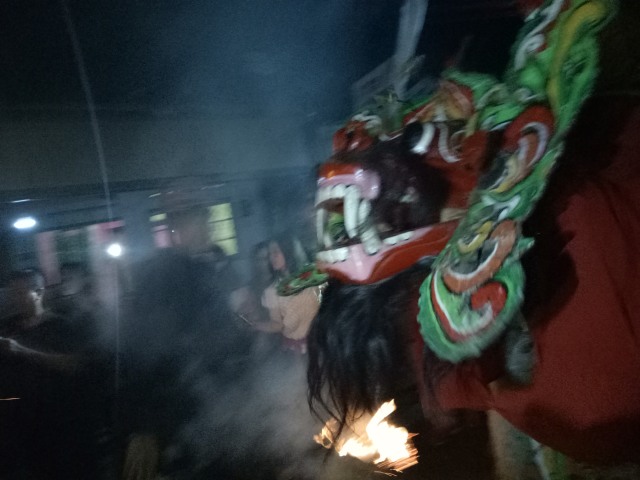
x,y
451,179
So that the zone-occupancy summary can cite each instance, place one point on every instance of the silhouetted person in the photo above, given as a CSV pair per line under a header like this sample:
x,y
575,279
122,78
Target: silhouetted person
x,y
180,327
56,371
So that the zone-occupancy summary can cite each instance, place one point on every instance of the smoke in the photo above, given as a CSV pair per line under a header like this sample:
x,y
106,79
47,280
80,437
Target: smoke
x,y
258,425
287,59
229,399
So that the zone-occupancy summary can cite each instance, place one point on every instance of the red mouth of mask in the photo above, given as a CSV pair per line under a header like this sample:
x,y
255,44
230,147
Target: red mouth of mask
x,y
356,249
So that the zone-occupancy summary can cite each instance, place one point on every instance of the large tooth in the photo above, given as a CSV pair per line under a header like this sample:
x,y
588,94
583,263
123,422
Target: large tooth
x,y
391,240
371,241
327,193
338,255
328,241
363,211
428,132
322,195
330,258
342,254
338,191
321,218
351,198
405,236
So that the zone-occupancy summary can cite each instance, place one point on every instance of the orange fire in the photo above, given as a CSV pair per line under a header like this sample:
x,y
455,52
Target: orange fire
x,y
374,439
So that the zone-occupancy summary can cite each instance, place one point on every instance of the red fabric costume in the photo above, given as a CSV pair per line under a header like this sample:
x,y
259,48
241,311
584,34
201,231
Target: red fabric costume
x,y
584,311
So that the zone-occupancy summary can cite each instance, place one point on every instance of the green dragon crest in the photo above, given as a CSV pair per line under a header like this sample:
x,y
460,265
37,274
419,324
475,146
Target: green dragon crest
x,y
475,289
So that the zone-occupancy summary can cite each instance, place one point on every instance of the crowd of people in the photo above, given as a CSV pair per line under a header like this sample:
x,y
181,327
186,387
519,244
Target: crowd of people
x,y
83,400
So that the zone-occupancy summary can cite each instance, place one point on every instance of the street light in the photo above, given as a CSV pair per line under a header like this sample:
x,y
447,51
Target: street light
x,y
25,223
114,250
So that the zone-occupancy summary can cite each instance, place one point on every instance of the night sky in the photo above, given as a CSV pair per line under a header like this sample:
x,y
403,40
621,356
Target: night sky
x,y
245,57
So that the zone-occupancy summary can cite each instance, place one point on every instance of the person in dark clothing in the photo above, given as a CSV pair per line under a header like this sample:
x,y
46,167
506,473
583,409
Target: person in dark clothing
x,y
180,327
58,423
24,301
73,293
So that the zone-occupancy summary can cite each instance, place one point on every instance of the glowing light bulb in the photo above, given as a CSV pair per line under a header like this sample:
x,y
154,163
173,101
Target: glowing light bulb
x,y
114,250
25,223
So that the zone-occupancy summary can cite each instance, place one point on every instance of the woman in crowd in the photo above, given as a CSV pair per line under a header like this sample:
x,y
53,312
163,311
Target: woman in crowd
x,y
290,316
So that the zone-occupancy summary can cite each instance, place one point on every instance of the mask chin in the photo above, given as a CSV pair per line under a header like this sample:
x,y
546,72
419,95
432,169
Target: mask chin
x,y
353,264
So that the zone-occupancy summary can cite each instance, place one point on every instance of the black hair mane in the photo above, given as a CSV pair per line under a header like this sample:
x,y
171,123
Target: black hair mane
x,y
358,346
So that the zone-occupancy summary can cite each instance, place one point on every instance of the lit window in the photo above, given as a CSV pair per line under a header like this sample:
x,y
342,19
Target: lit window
x,y
158,217
222,228
160,230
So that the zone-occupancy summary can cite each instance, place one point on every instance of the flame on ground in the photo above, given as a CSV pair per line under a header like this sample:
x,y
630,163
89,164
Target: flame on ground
x,y
375,440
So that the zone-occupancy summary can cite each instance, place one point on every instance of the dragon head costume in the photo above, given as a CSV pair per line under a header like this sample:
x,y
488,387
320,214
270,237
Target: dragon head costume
x,y
431,210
